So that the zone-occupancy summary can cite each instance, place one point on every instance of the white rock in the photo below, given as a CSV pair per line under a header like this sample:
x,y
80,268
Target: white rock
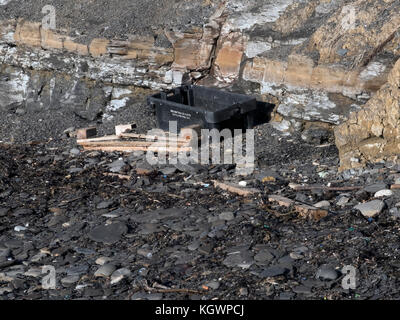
x,y
343,201
103,260
323,204
120,274
33,272
383,193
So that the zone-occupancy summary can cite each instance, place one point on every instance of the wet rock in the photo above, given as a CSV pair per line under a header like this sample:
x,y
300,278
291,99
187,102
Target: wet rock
x,y
227,215
104,205
117,166
242,259
383,193
77,269
108,234
33,272
103,260
105,270
302,290
75,151
119,275
274,271
327,273
4,211
13,244
322,204
264,256
213,285
370,209
373,188
395,212
168,170
70,280
342,201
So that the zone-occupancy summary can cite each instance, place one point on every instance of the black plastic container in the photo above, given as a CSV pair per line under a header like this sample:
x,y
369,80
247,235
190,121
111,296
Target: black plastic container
x,y
210,108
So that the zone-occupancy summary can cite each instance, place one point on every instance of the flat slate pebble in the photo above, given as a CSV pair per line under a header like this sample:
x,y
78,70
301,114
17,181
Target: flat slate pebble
x,y
108,234
370,209
105,270
327,273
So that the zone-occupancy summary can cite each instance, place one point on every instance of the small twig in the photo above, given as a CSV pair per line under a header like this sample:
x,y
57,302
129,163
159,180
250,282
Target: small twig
x,y
121,176
308,188
177,290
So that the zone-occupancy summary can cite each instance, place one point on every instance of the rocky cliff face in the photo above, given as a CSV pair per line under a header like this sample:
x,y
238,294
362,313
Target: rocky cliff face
x,y
318,60
373,133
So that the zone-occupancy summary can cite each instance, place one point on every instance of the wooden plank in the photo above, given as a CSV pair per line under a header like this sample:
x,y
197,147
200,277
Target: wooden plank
x,y
134,144
138,148
105,138
153,137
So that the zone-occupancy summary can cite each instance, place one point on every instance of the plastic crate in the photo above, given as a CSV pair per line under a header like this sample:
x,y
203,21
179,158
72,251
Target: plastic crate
x,y
210,108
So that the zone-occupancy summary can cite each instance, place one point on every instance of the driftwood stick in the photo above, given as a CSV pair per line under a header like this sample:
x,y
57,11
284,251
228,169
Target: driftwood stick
x,y
133,144
308,188
137,148
153,137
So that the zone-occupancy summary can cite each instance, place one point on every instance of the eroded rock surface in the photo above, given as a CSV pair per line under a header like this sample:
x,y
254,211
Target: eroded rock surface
x,y
372,134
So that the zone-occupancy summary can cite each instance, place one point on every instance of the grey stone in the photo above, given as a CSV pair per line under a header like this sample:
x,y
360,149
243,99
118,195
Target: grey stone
x,y
395,212
75,151
13,244
33,272
264,256
116,166
194,245
168,170
105,204
120,274
343,201
327,273
242,259
108,234
4,211
302,290
213,285
103,260
227,215
370,209
20,111
77,270
274,271
105,270
70,280
372,188
322,204
342,52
